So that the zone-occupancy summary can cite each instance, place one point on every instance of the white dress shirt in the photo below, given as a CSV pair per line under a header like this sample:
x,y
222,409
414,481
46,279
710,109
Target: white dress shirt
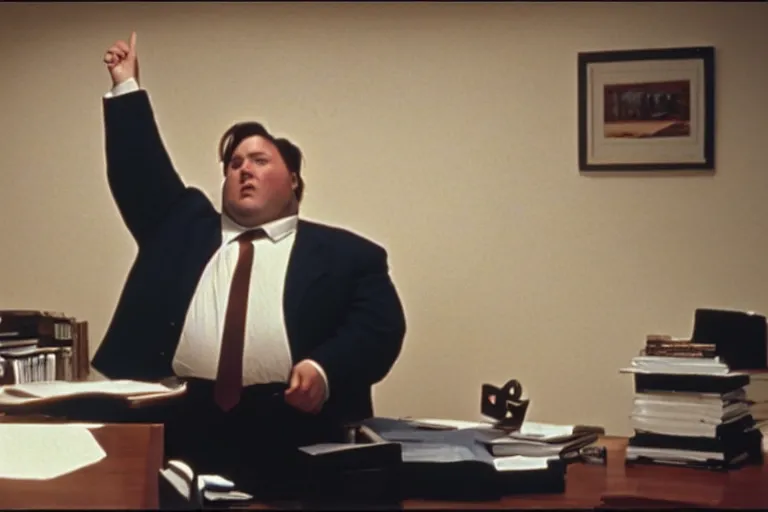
x,y
266,353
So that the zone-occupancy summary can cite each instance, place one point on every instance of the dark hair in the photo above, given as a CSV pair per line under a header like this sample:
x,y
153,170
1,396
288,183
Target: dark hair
x,y
290,153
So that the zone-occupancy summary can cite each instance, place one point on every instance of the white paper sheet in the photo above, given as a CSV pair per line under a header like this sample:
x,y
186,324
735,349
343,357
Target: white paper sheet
x,y
448,424
520,463
545,430
43,452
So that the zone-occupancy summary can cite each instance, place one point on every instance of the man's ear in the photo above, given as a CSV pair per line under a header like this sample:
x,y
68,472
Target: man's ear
x,y
294,180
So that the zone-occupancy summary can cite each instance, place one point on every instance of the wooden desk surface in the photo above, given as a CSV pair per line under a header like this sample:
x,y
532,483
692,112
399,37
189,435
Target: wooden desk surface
x,y
637,486
127,478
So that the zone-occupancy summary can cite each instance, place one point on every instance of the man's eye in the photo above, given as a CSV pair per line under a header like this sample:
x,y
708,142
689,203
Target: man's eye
x,y
234,164
260,161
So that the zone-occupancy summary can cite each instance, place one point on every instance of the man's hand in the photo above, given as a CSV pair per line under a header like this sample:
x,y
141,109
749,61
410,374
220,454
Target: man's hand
x,y
121,61
307,388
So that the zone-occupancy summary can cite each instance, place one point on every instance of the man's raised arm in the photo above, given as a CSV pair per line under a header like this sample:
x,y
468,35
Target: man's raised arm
x,y
141,176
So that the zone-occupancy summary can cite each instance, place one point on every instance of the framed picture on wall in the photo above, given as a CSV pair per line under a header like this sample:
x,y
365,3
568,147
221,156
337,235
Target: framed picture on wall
x,y
647,110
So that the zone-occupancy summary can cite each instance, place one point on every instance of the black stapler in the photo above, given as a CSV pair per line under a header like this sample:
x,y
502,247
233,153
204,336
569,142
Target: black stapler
x,y
504,405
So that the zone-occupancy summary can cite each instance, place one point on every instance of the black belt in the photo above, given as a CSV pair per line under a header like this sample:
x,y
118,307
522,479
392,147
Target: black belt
x,y
205,387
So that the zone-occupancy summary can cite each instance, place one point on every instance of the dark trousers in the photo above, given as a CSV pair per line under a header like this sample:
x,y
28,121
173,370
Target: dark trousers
x,y
255,444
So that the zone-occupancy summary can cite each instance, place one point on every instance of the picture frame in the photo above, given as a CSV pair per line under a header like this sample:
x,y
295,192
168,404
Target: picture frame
x,y
647,110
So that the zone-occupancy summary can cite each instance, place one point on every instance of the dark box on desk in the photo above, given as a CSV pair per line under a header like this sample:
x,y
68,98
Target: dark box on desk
x,y
363,473
740,338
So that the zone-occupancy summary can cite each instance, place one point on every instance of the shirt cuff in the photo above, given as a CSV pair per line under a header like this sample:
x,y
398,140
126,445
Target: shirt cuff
x,y
323,375
130,85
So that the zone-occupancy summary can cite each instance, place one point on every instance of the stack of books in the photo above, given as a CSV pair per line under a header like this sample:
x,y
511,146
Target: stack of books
x,y
690,408
42,346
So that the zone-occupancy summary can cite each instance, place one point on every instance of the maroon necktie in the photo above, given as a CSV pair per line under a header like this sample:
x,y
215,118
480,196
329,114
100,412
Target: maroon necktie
x,y
229,377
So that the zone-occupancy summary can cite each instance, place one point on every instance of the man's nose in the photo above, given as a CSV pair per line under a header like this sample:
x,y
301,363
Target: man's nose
x,y
246,172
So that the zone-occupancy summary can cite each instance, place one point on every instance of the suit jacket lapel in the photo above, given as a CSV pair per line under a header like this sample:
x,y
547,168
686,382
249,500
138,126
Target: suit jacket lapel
x,y
307,263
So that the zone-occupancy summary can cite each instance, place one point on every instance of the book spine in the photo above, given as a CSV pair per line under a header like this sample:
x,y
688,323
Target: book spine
x,y
673,352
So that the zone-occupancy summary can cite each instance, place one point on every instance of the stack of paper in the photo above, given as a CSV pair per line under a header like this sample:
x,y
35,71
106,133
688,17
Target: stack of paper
x,y
679,365
690,411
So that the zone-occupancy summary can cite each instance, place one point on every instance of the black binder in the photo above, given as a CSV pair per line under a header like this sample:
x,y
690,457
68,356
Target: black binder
x,y
360,474
732,443
649,382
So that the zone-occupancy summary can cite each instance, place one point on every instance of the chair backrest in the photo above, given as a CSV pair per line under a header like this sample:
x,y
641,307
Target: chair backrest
x,y
740,338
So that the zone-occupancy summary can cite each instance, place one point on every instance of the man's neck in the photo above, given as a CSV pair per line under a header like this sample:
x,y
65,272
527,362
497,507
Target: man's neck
x,y
276,229
258,222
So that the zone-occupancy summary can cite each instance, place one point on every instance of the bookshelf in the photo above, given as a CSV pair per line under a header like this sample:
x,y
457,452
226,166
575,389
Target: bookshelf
x,y
40,346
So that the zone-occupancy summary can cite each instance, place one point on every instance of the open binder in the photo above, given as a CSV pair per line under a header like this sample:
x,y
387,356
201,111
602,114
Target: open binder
x,y
107,400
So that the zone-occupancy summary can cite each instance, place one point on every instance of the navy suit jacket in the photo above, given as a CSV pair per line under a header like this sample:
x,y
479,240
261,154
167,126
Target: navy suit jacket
x,y
341,308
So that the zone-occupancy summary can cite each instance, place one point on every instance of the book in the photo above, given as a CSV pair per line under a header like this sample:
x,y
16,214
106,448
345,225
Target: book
x,y
679,365
505,445
687,458
683,427
730,442
666,346
52,327
651,382
16,343
690,411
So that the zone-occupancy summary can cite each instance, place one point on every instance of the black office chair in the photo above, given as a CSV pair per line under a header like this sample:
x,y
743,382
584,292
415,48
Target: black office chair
x,y
740,337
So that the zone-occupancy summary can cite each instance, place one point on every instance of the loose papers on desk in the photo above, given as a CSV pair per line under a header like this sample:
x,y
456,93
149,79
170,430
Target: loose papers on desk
x,y
464,443
456,464
46,451
535,440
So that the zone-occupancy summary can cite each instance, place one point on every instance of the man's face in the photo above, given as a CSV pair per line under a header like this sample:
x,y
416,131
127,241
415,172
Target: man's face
x,y
258,187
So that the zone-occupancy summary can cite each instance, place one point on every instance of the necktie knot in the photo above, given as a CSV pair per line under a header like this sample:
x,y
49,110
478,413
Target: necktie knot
x,y
251,235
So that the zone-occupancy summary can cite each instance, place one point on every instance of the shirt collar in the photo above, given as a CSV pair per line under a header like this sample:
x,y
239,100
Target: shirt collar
x,y
276,230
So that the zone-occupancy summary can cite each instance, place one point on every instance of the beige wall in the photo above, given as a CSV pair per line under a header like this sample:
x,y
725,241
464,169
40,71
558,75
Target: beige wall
x,y
446,132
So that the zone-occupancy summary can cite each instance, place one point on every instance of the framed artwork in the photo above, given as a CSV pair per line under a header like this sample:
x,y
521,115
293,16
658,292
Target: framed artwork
x,y
647,110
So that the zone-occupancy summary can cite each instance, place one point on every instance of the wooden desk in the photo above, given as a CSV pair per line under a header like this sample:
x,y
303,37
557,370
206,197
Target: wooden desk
x,y
127,478
646,486
618,486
